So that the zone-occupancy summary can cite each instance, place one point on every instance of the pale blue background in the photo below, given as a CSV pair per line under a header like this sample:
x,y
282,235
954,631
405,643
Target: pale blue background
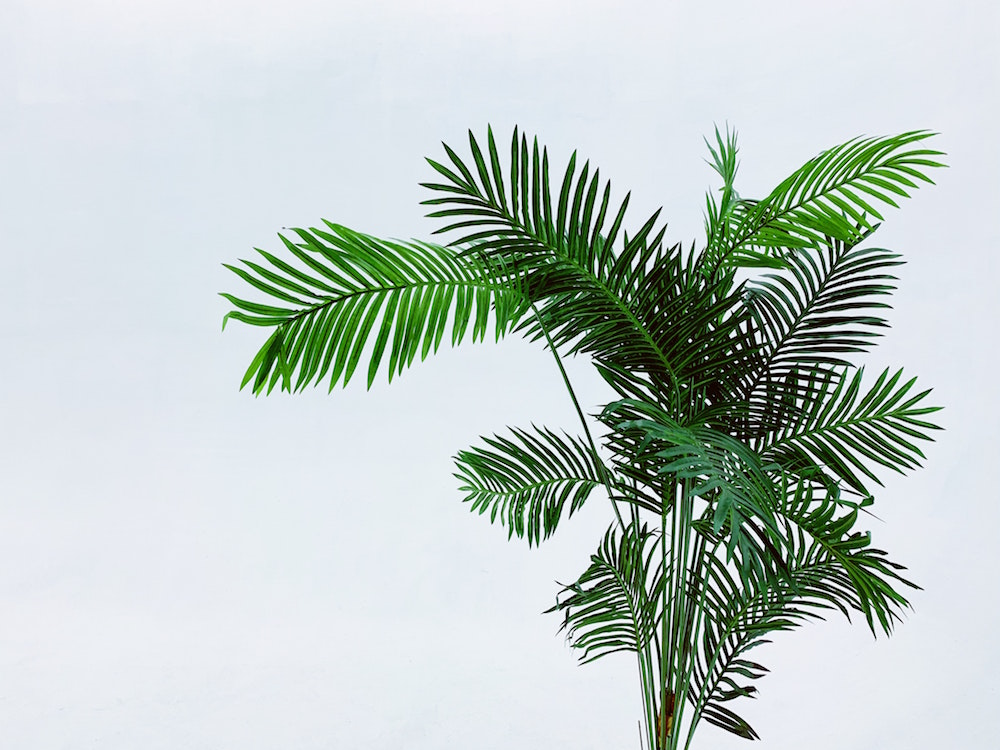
x,y
185,566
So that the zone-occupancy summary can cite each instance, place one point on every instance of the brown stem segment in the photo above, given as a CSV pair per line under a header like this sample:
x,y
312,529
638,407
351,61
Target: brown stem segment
x,y
664,720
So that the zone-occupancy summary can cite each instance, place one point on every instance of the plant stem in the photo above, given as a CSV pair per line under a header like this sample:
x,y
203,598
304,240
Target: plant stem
x,y
583,420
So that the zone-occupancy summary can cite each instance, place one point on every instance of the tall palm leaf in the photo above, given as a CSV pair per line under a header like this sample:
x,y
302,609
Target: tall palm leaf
x,y
834,194
640,310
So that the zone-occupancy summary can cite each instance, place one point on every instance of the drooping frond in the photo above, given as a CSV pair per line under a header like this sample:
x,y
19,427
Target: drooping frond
x,y
525,482
348,286
828,565
613,606
856,575
835,194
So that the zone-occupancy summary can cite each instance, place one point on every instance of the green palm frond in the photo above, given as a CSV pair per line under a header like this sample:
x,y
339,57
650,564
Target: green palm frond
x,y
519,218
834,194
562,248
613,606
347,286
828,565
641,308
846,429
826,305
858,576
527,481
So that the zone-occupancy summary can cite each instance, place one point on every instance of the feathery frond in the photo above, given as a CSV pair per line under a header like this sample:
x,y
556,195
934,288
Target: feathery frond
x,y
525,482
834,194
847,430
349,286
612,606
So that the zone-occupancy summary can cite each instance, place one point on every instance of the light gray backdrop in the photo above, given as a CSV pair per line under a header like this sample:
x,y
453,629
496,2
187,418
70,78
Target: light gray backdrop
x,y
185,566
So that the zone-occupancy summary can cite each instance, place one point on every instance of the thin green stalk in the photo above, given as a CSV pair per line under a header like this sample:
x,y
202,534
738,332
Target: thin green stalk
x,y
645,683
645,667
700,570
702,698
583,420
687,611
668,643
679,677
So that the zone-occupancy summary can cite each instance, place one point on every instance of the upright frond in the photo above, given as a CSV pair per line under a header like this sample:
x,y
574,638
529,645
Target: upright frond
x,y
836,194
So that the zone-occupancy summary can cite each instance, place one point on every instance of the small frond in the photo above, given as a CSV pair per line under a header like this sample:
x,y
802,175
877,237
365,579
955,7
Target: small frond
x,y
613,606
656,451
526,482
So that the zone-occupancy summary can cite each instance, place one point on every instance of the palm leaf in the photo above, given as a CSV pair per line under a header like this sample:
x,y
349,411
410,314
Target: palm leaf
x,y
806,319
846,429
640,310
828,566
525,482
835,194
857,576
350,293
656,451
612,607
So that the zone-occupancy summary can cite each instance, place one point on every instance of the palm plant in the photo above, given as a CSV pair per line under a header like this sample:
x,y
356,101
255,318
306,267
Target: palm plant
x,y
740,446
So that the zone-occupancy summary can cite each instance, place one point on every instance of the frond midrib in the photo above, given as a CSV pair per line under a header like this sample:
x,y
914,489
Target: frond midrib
x,y
329,301
531,486
595,281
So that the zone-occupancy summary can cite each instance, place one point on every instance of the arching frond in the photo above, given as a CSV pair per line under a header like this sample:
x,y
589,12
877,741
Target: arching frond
x,y
348,286
824,306
640,308
857,576
613,606
525,482
847,430
828,565
836,194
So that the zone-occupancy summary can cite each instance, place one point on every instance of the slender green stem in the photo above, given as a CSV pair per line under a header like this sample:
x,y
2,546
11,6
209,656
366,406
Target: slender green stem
x,y
647,685
583,420
699,563
668,644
